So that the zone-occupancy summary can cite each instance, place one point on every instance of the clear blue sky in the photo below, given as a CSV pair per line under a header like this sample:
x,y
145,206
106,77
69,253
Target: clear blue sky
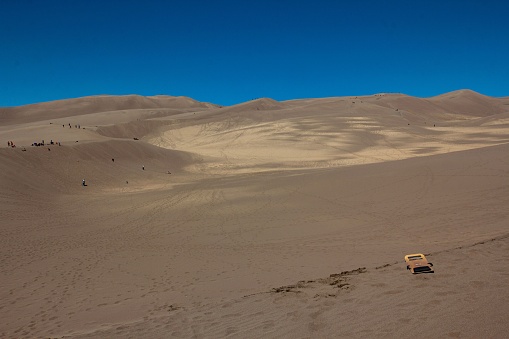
x,y
227,52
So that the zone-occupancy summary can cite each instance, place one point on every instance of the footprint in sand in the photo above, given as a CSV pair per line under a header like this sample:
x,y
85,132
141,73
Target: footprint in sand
x,y
268,324
393,292
231,330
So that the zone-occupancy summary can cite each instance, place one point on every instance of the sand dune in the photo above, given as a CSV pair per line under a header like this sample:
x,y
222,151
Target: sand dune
x,y
263,219
94,104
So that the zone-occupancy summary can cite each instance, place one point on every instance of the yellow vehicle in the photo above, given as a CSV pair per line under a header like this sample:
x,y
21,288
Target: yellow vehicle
x,y
417,263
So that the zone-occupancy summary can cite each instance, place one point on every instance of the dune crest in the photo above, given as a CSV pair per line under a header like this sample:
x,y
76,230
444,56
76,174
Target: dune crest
x,y
94,104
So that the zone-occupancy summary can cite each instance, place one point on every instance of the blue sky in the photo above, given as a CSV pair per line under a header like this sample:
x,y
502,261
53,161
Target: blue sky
x,y
227,52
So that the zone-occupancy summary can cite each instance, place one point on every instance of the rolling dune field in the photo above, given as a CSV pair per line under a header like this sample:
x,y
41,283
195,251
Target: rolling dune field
x,y
263,219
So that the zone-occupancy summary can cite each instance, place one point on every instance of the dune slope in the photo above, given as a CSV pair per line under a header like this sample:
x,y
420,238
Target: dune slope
x,y
263,219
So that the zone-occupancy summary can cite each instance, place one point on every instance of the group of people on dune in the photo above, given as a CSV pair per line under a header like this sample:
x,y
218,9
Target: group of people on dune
x,y
42,143
75,126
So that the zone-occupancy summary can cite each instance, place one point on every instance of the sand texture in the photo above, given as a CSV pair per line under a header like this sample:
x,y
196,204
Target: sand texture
x,y
264,219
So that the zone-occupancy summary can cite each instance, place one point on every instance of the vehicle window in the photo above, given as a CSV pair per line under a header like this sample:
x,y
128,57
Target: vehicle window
x,y
414,258
422,269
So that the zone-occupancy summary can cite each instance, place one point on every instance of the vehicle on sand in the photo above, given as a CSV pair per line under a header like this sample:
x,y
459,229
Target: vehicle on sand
x,y
417,263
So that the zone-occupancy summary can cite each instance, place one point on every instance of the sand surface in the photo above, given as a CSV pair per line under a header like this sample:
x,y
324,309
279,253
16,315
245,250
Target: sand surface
x,y
264,219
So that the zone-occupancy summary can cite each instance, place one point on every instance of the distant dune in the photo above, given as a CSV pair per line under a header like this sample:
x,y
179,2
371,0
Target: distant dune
x,y
94,104
263,219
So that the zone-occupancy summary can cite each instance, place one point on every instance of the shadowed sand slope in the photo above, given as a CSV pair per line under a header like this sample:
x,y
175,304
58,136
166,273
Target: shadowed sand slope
x,y
50,170
264,219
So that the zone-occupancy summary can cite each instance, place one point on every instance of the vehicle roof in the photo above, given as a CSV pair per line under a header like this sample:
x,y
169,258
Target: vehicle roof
x,y
415,256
